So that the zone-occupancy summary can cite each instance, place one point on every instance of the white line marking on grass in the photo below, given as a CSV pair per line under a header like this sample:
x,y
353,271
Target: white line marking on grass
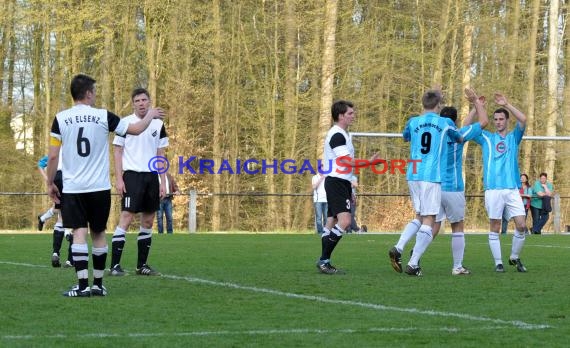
x,y
252,332
22,264
515,323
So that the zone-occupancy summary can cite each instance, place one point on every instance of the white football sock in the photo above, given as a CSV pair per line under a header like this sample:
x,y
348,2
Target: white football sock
x,y
518,242
409,231
495,245
48,214
423,240
457,248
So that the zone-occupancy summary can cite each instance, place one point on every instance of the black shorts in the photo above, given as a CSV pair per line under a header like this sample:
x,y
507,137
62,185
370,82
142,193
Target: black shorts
x,y
58,181
89,209
143,192
339,195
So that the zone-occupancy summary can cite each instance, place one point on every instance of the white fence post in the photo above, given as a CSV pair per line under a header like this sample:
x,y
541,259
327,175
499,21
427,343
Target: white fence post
x,y
192,212
556,214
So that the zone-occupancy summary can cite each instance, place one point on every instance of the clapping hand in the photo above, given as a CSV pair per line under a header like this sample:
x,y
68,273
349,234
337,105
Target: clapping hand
x,y
501,99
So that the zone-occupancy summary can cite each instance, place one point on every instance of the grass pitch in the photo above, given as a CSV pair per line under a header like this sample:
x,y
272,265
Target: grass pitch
x,y
265,291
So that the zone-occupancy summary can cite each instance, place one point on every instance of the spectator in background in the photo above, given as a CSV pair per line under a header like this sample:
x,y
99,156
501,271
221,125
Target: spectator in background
x,y
165,208
526,194
540,204
319,199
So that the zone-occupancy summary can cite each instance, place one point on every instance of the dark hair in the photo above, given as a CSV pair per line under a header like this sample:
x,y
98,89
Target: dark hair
x,y
543,174
431,99
525,183
503,111
340,107
449,112
80,85
138,91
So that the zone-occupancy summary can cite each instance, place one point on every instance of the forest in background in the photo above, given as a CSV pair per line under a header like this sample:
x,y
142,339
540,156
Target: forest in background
x,y
256,78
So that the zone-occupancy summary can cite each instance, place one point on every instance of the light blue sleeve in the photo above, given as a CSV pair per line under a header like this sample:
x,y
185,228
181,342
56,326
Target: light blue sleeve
x,y
518,132
452,133
407,134
471,131
42,163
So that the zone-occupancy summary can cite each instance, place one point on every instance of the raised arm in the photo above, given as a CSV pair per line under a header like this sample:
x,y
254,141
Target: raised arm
x,y
139,127
502,100
478,109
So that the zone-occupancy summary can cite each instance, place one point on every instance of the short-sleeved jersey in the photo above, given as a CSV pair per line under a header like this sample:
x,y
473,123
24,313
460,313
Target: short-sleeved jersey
x,y
138,150
338,143
83,132
428,134
452,176
500,159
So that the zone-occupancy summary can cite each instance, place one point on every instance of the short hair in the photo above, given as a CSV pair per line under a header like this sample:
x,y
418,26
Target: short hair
x,y
340,107
80,85
138,91
431,99
449,112
543,174
502,111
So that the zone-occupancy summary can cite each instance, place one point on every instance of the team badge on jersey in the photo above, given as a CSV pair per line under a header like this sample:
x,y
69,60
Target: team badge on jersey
x,y
501,147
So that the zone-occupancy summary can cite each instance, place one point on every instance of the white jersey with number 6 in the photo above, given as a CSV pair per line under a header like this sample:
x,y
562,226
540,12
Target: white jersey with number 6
x,y
83,132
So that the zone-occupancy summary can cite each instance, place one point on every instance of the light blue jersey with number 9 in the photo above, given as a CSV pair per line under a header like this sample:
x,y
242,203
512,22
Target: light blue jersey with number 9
x,y
428,135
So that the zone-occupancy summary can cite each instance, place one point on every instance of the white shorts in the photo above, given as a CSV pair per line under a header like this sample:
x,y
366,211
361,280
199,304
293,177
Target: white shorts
x,y
426,197
508,200
452,207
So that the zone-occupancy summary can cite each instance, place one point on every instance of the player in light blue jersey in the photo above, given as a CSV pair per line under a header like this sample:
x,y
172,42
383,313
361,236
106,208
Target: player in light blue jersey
x,y
427,135
452,187
501,179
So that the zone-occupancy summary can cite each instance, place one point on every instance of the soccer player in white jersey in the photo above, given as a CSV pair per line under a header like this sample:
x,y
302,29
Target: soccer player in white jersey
x,y
137,184
427,135
339,151
82,134
501,180
452,186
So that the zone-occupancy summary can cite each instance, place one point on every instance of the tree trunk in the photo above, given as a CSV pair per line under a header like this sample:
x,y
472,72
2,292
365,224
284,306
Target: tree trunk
x,y
530,94
453,58
514,40
444,21
328,68
290,103
217,103
552,100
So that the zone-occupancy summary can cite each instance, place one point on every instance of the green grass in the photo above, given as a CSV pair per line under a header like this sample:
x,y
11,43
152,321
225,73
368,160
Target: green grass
x,y
264,291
